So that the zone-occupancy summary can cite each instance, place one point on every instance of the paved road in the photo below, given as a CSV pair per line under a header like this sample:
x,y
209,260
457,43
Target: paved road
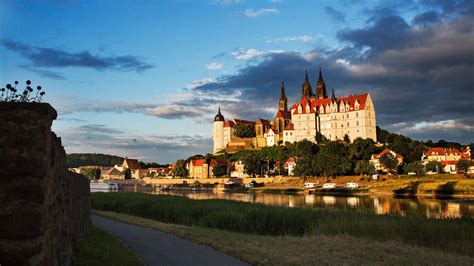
x,y
158,248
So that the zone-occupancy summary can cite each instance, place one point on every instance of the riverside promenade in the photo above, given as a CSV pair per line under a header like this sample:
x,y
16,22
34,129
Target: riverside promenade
x,y
154,247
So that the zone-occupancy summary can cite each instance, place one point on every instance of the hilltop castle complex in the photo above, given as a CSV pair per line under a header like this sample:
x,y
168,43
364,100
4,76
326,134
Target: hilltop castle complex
x,y
313,117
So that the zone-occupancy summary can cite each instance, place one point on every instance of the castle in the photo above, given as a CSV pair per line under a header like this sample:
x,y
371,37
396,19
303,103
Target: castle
x,y
313,117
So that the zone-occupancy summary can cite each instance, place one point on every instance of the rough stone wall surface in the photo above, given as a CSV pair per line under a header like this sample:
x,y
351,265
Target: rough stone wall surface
x,y
44,208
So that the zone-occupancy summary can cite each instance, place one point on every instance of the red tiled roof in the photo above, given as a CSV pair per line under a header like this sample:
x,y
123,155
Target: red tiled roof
x,y
244,122
220,162
264,121
290,160
351,100
284,114
304,102
444,163
229,124
131,163
198,162
437,151
376,156
290,126
268,130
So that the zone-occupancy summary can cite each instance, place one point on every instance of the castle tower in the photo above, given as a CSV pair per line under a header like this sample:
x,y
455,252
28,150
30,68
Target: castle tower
x,y
283,104
307,92
218,132
321,87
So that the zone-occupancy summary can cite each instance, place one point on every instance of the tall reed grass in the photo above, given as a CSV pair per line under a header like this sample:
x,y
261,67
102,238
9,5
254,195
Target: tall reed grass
x,y
456,235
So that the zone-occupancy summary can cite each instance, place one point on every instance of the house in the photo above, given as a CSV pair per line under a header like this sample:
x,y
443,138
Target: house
x,y
290,165
447,157
112,173
199,168
271,137
238,169
374,159
134,166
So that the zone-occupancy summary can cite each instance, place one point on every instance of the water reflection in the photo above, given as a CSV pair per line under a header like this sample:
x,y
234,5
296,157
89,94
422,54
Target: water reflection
x,y
433,208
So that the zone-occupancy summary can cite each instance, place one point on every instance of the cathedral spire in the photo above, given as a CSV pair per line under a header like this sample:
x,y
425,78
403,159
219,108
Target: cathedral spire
x,y
321,86
219,116
283,103
333,96
307,92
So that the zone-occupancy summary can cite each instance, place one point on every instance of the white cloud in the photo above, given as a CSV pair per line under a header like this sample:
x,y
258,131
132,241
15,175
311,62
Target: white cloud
x,y
200,82
214,66
362,70
250,54
301,38
252,13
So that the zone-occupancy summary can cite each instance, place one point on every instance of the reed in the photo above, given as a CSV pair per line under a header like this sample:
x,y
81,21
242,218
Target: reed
x,y
455,235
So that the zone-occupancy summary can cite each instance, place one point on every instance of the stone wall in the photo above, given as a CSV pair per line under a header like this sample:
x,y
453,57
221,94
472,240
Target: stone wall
x,y
44,208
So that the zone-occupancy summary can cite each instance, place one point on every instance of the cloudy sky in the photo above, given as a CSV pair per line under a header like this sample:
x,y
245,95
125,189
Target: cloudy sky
x,y
144,79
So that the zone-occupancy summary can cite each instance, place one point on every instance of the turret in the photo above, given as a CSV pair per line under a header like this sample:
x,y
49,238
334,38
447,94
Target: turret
x,y
307,91
321,87
283,104
218,131
333,96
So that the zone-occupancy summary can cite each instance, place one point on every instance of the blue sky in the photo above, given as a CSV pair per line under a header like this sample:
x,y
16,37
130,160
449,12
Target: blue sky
x,y
143,79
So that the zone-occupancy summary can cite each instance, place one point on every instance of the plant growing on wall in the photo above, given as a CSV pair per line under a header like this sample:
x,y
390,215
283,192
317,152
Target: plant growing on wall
x,y
12,94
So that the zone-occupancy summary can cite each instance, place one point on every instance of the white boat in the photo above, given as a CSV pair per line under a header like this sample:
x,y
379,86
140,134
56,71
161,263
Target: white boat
x,y
104,186
309,185
352,185
329,185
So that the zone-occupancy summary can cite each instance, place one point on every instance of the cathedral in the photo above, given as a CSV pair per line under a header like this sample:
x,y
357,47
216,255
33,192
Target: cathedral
x,y
314,117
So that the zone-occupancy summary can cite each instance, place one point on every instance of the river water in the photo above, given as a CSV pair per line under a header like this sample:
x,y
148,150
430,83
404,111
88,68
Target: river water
x,y
412,206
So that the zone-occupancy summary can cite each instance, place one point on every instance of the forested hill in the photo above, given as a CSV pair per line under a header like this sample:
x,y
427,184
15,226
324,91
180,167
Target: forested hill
x,y
81,159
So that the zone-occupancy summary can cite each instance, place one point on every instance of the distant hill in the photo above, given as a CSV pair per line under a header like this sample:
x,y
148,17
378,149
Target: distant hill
x,y
82,159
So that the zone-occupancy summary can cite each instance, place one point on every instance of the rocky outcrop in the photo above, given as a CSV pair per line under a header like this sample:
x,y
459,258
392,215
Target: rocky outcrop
x,y
44,208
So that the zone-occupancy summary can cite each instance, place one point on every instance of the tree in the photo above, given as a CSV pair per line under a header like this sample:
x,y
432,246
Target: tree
x,y
127,173
219,170
252,164
361,149
180,168
304,166
347,139
244,131
417,152
434,166
91,173
463,165
364,168
305,148
400,145
415,167
329,164
390,162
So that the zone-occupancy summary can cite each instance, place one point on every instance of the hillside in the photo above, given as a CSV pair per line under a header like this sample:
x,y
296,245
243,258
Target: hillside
x,y
81,159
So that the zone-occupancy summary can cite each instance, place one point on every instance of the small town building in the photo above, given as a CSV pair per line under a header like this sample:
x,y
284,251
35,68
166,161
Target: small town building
x,y
290,165
199,168
447,157
376,162
112,173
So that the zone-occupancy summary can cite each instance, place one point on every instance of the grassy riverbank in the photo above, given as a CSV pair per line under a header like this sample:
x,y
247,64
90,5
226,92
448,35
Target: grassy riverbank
x,y
306,250
429,185
454,235
101,248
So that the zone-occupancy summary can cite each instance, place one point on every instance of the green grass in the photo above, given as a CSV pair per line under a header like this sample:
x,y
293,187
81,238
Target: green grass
x,y
455,235
101,248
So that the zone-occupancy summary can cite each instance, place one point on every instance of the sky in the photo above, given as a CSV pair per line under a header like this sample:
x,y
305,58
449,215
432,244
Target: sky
x,y
144,79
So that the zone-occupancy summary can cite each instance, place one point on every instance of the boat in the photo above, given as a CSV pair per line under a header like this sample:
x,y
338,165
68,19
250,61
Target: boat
x,y
104,186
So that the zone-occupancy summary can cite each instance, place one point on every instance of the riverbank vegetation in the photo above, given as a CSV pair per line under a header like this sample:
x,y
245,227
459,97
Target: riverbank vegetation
x,y
306,250
101,248
454,235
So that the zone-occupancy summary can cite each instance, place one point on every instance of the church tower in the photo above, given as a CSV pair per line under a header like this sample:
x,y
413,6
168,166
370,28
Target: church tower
x,y
321,87
218,132
283,104
307,92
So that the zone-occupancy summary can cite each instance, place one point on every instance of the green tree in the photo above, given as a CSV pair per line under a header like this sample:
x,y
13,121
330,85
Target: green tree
x,y
401,146
463,165
390,162
417,152
415,167
364,168
347,139
305,148
304,166
330,164
252,164
180,169
219,170
91,173
434,166
362,149
244,131
127,173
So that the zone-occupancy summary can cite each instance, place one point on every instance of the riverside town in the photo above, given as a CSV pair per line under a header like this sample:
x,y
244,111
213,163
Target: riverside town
x,y
230,132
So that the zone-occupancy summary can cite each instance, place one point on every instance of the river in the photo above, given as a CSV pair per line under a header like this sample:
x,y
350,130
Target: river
x,y
379,204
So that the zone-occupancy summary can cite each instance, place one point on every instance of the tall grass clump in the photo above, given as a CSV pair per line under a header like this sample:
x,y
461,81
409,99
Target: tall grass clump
x,y
456,235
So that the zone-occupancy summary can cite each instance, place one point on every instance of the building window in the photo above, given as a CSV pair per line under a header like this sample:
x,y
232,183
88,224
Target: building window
x,y
347,124
357,123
